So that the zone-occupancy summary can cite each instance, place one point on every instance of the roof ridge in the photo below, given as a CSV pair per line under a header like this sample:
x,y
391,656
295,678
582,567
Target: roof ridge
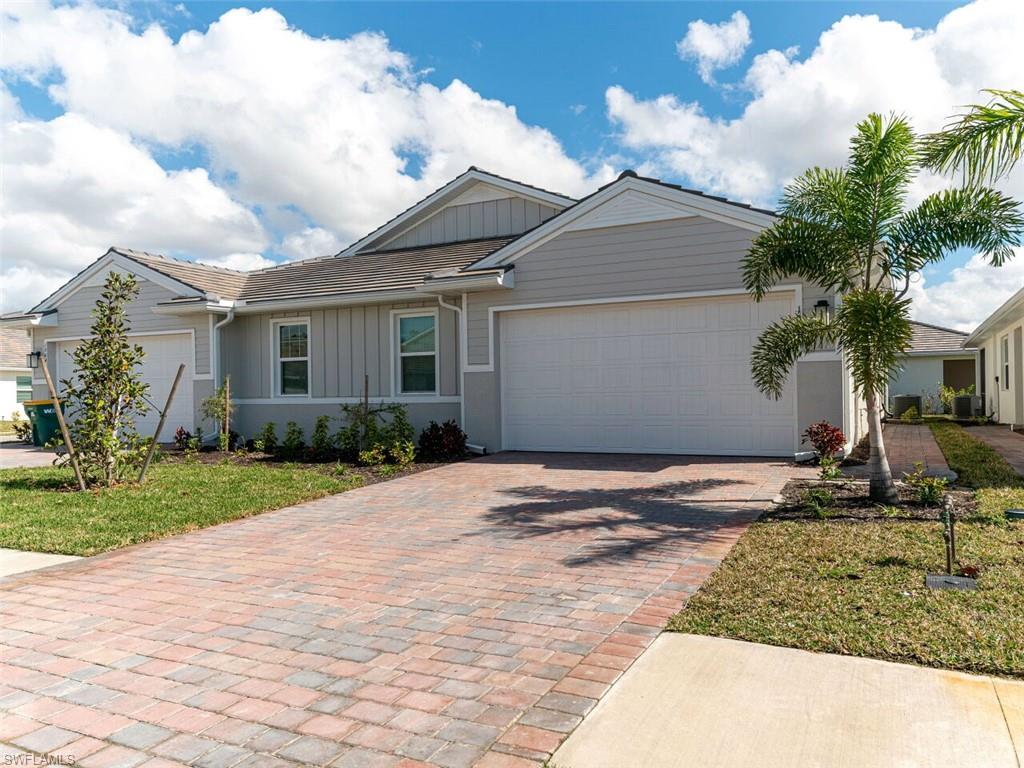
x,y
202,265
940,328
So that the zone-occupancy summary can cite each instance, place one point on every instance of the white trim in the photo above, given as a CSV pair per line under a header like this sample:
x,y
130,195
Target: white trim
x,y
993,321
748,219
489,366
404,399
823,356
473,176
275,350
396,350
335,300
504,279
128,265
797,304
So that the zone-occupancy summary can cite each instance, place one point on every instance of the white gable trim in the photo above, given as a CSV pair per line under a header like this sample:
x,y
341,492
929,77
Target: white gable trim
x,y
113,259
457,186
661,198
629,207
480,193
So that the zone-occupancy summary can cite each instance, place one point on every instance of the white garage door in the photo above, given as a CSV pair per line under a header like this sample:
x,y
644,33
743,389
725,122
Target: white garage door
x,y
164,352
644,377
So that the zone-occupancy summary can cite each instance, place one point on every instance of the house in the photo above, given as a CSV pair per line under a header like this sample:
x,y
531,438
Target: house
x,y
1001,360
936,356
614,323
15,375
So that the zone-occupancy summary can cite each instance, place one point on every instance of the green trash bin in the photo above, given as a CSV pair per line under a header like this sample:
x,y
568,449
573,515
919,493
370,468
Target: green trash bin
x,y
43,416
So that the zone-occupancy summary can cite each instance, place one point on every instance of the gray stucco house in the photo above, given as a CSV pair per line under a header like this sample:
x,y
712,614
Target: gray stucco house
x,y
614,323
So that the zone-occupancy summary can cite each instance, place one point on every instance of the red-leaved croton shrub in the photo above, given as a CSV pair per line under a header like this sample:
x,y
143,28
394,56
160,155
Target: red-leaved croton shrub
x,y
825,438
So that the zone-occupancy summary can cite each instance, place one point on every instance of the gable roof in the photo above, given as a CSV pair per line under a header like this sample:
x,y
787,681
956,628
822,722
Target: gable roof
x,y
14,347
929,339
213,281
694,201
437,199
367,272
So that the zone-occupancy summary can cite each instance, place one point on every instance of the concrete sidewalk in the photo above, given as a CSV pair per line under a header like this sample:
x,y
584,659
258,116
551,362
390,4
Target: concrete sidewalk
x,y
720,703
14,561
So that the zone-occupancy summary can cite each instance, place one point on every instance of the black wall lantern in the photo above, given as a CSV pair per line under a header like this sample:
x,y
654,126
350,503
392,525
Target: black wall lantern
x,y
821,307
32,359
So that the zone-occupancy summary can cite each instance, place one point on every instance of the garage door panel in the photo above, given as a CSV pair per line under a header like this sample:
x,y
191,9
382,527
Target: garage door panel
x,y
669,376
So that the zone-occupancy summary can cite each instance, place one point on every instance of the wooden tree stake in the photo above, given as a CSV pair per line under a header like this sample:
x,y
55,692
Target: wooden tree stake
x,y
160,424
63,425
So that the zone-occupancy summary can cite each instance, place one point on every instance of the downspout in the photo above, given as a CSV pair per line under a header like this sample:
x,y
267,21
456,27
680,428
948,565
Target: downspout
x,y
462,370
215,342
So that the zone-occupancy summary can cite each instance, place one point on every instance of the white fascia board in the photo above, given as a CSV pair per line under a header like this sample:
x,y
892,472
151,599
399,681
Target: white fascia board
x,y
469,283
453,188
109,259
29,321
993,321
965,353
687,202
336,300
191,307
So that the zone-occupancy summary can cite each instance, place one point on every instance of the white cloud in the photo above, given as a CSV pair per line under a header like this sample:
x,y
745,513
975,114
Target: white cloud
x,y
801,111
715,46
971,293
315,131
310,242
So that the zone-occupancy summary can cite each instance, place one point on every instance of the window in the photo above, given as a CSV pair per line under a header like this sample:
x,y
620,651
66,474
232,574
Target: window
x,y
291,348
24,385
1006,361
417,354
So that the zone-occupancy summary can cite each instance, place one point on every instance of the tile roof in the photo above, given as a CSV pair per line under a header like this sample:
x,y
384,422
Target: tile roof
x,y
14,346
934,338
219,281
365,272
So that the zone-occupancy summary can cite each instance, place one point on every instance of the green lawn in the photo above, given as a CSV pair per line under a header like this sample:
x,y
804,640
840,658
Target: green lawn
x,y
857,587
40,513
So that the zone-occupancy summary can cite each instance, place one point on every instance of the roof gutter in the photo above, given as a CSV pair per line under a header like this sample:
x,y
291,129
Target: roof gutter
x,y
30,320
215,343
470,282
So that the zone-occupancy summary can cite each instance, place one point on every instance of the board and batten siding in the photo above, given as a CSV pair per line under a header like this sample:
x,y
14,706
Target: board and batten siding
x,y
345,344
677,256
493,218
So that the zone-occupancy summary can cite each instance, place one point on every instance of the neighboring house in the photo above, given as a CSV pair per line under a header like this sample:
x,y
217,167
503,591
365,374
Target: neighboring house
x,y
15,375
615,323
936,357
1001,360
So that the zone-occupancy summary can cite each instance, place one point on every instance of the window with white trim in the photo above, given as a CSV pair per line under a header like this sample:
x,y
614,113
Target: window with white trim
x,y
416,366
24,388
291,350
1005,343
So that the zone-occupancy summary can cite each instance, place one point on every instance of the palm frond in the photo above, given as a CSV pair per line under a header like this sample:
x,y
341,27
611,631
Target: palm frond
x,y
984,143
970,217
818,195
792,247
873,329
781,344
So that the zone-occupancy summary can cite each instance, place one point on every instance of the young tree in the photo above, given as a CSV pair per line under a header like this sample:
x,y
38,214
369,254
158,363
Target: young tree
x,y
108,392
849,230
985,143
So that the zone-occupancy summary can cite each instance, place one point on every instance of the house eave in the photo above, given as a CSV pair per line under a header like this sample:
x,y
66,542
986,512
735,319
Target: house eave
x,y
993,321
469,282
30,319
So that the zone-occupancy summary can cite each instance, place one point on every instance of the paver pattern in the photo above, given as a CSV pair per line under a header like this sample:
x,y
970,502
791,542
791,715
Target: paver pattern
x,y
907,445
468,615
1008,444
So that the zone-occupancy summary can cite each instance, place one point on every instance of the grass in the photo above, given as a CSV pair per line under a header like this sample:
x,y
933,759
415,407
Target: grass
x,y
41,513
977,464
857,588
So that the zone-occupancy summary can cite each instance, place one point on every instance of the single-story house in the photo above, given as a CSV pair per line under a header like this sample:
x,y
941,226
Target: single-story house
x,y
1000,343
937,356
15,375
613,323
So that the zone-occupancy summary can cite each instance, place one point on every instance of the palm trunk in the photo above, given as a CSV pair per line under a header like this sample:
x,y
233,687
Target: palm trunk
x,y
882,488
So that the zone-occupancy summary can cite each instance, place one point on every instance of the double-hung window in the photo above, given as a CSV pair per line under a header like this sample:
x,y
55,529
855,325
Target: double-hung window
x,y
416,362
1005,354
291,358
24,388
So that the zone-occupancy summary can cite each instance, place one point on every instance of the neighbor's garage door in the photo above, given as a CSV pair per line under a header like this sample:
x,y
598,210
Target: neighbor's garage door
x,y
163,354
647,377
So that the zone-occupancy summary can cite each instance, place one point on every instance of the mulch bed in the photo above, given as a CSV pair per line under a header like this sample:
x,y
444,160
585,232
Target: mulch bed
x,y
851,502
328,466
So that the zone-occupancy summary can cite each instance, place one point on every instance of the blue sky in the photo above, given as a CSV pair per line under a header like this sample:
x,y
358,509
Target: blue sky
x,y
605,81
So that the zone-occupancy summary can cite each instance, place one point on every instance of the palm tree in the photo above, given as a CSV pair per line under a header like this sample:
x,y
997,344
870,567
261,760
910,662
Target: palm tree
x,y
849,230
984,143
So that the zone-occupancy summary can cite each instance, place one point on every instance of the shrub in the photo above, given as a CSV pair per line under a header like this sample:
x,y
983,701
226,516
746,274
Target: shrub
x,y
819,501
368,427
826,439
946,395
321,442
911,414
443,441
218,408
929,490
267,437
22,428
829,468
108,392
182,437
294,440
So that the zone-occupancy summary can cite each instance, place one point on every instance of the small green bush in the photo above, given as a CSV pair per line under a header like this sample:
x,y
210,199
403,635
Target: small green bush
x,y
267,437
929,489
829,468
294,440
443,441
321,441
911,414
819,501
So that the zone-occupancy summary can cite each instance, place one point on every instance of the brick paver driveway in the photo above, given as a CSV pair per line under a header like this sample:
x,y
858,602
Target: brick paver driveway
x,y
469,615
